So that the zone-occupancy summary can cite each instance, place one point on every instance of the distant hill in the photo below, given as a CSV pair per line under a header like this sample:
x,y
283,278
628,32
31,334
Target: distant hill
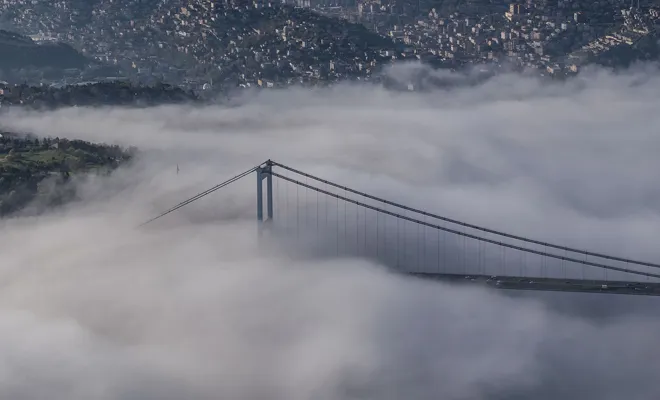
x,y
96,94
17,51
645,49
227,42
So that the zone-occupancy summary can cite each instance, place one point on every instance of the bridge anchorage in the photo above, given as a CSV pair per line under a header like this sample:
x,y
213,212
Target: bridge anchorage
x,y
343,221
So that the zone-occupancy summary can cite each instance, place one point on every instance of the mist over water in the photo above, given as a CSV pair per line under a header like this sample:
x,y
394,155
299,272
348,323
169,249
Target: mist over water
x,y
194,306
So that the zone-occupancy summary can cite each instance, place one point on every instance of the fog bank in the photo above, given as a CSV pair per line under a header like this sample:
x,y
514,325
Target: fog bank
x,y
194,307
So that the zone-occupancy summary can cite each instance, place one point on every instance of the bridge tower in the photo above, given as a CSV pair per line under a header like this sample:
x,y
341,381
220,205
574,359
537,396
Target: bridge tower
x,y
265,172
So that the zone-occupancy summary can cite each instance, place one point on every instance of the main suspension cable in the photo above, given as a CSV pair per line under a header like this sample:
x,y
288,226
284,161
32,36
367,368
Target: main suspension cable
x,y
202,194
504,245
475,227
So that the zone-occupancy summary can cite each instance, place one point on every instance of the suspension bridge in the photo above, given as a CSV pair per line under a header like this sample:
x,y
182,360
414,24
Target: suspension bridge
x,y
331,220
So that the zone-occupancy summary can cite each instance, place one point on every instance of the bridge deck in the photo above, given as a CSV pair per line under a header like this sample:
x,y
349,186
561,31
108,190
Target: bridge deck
x,y
549,284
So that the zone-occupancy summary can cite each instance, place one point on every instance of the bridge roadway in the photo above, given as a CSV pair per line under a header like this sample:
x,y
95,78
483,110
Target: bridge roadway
x,y
549,284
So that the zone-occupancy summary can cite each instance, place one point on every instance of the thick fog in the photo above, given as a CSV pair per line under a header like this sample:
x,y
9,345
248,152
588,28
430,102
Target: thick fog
x,y
194,306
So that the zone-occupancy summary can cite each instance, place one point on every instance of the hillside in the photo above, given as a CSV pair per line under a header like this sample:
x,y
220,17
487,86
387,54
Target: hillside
x,y
92,95
35,172
17,51
204,41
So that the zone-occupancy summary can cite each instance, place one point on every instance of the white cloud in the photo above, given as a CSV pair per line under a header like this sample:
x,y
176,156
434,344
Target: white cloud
x,y
192,308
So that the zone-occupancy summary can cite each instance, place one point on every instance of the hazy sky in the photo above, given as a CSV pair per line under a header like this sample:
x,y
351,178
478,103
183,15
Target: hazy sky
x,y
91,307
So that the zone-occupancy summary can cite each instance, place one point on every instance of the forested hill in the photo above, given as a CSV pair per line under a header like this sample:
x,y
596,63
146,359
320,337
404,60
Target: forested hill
x,y
17,51
229,43
93,94
34,172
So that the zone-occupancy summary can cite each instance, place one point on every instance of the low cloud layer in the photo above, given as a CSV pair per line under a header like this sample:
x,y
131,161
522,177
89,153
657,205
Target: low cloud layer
x,y
192,307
